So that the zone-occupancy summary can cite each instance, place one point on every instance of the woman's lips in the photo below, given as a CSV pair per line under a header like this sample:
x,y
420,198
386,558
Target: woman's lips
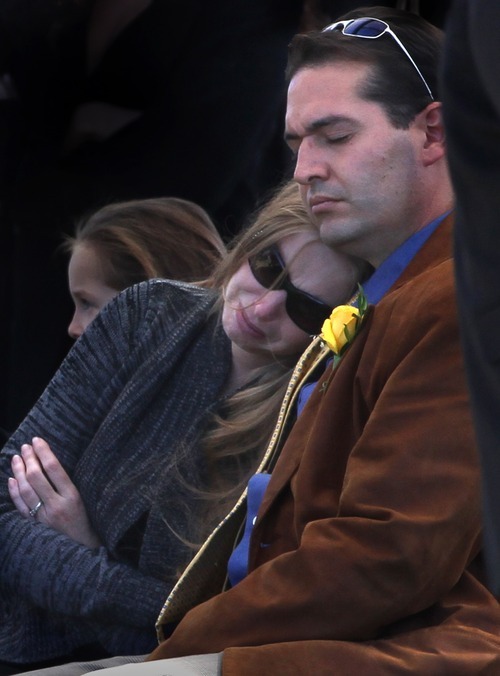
x,y
246,325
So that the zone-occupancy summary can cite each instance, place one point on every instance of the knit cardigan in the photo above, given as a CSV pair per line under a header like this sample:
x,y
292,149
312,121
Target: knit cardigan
x,y
141,380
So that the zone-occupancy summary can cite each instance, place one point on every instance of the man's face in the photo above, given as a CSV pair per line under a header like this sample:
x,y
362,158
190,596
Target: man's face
x,y
359,175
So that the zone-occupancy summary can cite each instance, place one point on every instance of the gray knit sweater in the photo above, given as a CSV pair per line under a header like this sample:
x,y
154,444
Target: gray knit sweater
x,y
142,378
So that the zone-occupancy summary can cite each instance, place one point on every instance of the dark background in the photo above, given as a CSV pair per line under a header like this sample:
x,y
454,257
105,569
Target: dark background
x,y
208,80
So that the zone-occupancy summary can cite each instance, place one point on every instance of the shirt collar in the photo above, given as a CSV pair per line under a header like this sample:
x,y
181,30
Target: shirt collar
x,y
390,270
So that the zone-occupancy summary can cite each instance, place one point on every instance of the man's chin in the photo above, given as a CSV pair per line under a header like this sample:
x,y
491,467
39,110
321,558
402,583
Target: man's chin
x,y
338,234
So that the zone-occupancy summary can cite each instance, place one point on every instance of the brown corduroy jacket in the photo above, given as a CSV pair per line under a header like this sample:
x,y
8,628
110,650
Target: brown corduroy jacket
x,y
365,556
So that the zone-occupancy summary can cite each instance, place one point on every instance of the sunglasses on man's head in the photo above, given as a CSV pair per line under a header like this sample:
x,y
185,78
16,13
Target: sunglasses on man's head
x,y
368,27
306,311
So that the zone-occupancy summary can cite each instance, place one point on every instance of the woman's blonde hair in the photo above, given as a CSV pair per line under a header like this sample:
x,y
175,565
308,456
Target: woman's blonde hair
x,y
239,432
142,239
282,215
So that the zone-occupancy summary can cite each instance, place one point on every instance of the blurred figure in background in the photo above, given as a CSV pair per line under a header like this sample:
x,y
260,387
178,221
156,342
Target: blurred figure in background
x,y
471,104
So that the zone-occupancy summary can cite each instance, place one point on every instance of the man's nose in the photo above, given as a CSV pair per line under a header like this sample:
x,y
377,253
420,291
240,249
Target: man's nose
x,y
310,164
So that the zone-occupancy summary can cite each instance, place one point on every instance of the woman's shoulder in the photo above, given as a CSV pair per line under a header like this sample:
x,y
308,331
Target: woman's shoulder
x,y
164,296
148,311
160,288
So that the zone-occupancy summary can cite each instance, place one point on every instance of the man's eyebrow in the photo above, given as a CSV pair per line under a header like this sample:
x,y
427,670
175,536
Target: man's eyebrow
x,y
320,123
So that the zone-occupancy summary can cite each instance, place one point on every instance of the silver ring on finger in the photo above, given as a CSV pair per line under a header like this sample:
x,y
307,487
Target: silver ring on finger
x,y
36,509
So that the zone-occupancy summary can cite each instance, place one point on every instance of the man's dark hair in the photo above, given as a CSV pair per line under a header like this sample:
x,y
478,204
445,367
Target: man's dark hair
x,y
393,83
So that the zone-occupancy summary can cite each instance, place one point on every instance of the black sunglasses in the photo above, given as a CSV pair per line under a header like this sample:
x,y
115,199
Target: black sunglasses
x,y
368,27
306,311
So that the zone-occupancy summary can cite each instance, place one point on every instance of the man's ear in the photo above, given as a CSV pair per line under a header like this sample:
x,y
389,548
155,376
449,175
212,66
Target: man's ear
x,y
430,121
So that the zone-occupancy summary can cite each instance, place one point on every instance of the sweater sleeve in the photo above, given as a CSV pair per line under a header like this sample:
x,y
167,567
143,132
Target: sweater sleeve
x,y
46,568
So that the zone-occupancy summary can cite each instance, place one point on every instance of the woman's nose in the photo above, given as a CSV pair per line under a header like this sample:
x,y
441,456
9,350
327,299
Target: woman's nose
x,y
270,305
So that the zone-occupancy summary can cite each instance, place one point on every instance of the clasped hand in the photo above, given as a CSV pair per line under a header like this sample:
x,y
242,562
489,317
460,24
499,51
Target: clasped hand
x,y
39,476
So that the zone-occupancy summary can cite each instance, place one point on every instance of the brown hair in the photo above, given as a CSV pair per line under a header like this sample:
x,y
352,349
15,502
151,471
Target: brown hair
x,y
393,82
138,240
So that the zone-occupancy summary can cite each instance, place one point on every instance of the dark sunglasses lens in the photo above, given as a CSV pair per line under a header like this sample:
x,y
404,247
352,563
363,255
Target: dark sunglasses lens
x,y
370,28
266,268
306,313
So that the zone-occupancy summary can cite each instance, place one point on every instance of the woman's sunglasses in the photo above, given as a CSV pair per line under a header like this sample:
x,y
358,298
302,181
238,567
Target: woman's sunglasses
x,y
306,311
368,27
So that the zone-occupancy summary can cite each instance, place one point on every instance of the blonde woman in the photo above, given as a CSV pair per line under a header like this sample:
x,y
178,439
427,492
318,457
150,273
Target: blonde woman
x,y
166,400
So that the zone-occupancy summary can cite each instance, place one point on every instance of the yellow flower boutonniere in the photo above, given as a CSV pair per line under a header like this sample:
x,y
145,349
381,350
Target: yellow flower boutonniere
x,y
341,327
